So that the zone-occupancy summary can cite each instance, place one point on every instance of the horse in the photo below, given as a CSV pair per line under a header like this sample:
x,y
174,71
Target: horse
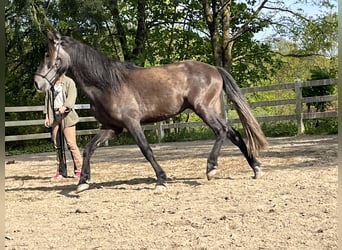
x,y
124,95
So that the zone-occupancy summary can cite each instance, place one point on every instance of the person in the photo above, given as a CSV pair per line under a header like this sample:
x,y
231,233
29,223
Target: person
x,y
59,112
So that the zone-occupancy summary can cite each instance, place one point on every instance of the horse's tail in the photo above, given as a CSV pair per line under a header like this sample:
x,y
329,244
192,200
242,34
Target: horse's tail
x,y
255,137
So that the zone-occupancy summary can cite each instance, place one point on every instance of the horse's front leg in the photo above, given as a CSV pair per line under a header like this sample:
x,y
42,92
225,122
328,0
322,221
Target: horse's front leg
x,y
102,136
135,129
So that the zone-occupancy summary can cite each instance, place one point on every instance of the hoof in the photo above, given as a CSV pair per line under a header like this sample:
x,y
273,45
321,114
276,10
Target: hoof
x,y
211,173
82,187
257,173
160,188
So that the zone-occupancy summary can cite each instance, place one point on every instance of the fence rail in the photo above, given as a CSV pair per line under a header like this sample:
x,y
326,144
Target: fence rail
x,y
299,114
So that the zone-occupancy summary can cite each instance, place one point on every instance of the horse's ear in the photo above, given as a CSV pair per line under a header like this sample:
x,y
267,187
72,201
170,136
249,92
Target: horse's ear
x,y
54,36
54,39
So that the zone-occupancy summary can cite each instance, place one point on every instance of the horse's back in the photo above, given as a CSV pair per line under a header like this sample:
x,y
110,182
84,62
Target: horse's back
x,y
164,91
177,77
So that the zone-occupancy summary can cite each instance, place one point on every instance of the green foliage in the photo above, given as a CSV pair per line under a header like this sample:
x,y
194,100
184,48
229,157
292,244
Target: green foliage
x,y
308,44
277,129
317,74
190,134
319,36
321,126
29,147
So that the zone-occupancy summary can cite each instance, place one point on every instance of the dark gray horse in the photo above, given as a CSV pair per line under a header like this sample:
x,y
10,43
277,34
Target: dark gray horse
x,y
123,95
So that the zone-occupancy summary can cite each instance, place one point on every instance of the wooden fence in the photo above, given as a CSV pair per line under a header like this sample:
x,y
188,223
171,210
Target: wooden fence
x,y
299,115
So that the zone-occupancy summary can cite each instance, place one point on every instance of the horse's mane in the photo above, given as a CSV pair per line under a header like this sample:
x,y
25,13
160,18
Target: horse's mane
x,y
93,67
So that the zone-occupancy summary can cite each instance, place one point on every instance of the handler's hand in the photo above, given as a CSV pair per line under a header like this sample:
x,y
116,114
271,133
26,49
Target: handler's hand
x,y
62,110
47,122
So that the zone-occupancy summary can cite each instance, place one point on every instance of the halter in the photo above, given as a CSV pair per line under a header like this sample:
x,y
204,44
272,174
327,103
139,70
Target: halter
x,y
53,80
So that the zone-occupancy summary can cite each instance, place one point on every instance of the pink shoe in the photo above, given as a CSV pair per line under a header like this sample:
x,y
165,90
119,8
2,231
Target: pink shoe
x,y
57,177
77,174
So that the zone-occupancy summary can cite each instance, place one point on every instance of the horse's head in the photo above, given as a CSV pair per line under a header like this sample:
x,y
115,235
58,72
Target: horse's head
x,y
55,63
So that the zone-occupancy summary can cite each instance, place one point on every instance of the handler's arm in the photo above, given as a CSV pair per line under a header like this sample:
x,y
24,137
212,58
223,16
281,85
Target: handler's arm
x,y
71,95
45,111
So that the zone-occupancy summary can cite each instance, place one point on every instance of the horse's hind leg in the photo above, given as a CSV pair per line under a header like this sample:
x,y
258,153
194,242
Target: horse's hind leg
x,y
102,136
213,156
236,138
218,125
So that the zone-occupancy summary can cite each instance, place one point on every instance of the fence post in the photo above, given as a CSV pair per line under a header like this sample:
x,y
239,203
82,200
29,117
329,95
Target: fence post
x,y
299,107
160,131
224,106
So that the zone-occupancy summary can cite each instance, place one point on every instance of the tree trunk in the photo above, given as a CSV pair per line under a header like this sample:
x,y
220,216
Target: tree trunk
x,y
218,17
138,52
227,44
114,9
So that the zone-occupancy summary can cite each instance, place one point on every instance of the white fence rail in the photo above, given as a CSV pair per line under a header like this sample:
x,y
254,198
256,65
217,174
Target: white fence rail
x,y
299,115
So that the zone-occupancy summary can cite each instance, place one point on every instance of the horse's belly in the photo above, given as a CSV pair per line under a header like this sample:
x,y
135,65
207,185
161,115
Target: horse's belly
x,y
163,111
156,118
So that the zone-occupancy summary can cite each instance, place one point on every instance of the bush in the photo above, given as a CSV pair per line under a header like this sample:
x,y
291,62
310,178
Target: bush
x,y
28,147
321,126
277,129
190,134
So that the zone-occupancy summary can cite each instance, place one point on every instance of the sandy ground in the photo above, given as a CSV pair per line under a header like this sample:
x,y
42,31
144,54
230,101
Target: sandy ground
x,y
293,206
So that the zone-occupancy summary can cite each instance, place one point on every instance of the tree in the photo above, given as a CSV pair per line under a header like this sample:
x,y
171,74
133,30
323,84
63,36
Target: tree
x,y
232,26
312,46
24,43
227,22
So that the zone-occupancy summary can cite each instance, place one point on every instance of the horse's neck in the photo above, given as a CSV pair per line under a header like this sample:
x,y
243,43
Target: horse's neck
x,y
83,83
80,72
77,76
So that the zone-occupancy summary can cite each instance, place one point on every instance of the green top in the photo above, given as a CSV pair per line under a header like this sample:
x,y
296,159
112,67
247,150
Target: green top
x,y
69,96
